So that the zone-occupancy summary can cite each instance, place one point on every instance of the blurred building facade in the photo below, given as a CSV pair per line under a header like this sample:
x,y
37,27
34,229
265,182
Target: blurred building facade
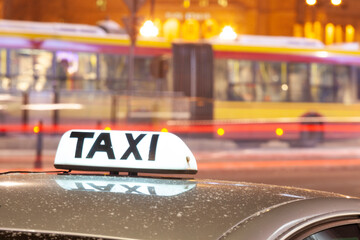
x,y
196,19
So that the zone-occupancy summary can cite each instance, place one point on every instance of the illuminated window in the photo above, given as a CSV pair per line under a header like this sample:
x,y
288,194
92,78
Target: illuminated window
x,y
338,34
318,32
298,30
349,33
210,28
186,3
329,33
309,32
223,3
190,30
171,29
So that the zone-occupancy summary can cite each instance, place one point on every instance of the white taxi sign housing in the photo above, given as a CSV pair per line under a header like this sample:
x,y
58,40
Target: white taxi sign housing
x,y
124,151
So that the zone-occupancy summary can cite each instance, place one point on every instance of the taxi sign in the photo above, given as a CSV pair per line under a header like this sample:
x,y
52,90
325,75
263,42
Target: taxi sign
x,y
124,151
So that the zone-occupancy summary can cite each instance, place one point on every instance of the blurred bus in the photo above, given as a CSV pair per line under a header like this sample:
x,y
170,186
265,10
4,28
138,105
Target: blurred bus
x,y
252,88
286,88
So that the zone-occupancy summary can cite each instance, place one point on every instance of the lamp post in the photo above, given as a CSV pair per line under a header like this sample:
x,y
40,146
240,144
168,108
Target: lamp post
x,y
131,26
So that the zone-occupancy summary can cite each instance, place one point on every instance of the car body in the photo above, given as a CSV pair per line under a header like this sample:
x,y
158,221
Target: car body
x,y
69,205
163,208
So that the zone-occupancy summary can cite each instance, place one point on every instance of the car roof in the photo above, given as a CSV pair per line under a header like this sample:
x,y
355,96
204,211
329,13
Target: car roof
x,y
152,208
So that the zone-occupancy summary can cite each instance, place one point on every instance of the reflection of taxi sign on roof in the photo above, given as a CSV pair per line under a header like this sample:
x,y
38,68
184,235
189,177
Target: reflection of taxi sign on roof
x,y
124,151
138,186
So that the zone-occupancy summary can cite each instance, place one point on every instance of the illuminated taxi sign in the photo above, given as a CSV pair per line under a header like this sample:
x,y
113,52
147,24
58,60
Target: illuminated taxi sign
x,y
124,151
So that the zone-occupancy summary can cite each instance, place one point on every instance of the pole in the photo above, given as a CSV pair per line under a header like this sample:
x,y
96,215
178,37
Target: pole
x,y
131,62
55,117
113,109
131,27
39,146
25,111
130,79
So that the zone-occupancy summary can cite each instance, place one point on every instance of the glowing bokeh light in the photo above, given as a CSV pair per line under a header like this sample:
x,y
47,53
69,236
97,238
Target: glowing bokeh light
x,y
279,131
220,131
228,33
311,2
149,29
36,129
336,2
284,87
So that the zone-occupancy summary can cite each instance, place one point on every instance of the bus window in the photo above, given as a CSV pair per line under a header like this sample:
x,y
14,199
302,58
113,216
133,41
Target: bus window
x,y
143,79
76,70
86,72
67,65
298,85
30,68
5,83
42,69
113,72
343,83
220,79
159,69
323,87
357,82
271,82
240,80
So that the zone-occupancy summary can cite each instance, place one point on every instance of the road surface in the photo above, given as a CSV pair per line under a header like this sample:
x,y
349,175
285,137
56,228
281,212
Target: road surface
x,y
328,167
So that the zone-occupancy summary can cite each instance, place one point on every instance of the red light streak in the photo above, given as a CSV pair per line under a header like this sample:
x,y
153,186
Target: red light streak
x,y
248,128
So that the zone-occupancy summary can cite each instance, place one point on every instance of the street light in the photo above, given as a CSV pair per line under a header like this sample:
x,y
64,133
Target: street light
x,y
336,2
311,2
149,29
228,33
333,2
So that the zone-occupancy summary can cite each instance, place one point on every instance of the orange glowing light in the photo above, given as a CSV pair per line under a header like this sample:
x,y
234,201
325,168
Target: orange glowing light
x,y
220,131
279,131
336,2
149,29
36,129
311,2
107,128
164,130
228,33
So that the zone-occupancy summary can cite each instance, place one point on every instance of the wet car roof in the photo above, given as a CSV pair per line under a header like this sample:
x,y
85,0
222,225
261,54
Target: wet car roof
x,y
140,207
133,207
